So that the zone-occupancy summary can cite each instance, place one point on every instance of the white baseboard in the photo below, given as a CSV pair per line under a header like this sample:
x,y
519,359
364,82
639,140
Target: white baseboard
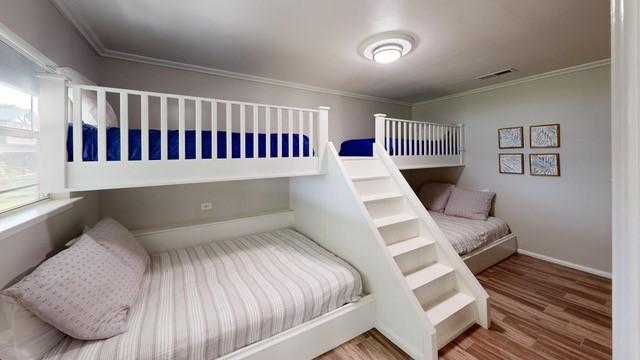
x,y
566,263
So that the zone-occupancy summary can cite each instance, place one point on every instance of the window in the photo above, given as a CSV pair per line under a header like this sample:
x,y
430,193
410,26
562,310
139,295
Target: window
x,y
18,148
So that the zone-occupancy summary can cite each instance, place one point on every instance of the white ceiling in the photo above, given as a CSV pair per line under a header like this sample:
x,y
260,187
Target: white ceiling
x,y
316,42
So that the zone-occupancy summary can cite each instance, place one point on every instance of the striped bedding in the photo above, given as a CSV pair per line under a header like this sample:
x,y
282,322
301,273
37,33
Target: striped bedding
x,y
209,300
467,235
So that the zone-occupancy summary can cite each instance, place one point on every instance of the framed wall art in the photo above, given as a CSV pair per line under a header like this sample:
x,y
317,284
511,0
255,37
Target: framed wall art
x,y
544,136
511,138
511,164
544,164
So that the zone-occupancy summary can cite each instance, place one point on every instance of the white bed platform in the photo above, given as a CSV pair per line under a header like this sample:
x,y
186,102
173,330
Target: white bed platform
x,y
491,254
418,144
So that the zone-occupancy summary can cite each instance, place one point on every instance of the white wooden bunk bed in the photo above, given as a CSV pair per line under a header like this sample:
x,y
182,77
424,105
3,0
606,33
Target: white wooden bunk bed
x,y
416,289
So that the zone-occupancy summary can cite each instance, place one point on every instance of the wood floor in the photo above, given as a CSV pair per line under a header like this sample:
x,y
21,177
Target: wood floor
x,y
538,311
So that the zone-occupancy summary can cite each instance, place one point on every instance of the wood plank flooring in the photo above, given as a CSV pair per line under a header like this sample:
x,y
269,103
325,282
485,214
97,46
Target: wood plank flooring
x,y
539,310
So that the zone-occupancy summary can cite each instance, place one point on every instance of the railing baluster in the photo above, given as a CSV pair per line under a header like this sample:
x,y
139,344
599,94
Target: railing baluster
x,y
300,134
198,129
311,126
256,131
410,138
242,131
77,125
267,132
164,147
394,138
404,138
124,126
181,129
214,130
229,131
279,139
144,127
290,133
102,127
386,134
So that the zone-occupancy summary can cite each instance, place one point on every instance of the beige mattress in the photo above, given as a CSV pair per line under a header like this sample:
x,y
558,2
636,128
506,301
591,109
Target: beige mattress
x,y
209,300
467,235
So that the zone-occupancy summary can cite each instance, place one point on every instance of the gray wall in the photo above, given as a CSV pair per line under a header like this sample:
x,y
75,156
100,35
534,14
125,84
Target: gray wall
x,y
567,217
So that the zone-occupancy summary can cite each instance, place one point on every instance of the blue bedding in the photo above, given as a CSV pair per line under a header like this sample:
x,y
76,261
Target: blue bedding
x,y
90,144
364,147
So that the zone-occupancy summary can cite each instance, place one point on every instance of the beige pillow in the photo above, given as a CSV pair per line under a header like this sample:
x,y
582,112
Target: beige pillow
x,y
83,291
434,195
121,243
23,336
469,204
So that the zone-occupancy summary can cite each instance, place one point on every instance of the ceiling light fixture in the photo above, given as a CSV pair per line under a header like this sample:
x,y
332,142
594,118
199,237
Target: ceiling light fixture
x,y
387,47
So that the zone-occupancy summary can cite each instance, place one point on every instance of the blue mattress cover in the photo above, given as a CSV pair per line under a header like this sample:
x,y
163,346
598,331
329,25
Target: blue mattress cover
x,y
364,147
90,144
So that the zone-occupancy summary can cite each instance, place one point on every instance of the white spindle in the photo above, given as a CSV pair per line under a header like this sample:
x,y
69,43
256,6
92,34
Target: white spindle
x,y
181,129
451,129
77,125
164,143
102,127
242,131
311,134
229,130
386,134
214,130
256,131
410,138
144,127
290,133
404,138
267,132
198,129
124,126
323,129
394,138
279,133
300,135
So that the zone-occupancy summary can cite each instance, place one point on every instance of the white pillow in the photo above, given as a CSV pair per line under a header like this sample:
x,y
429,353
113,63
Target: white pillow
x,y
22,334
89,100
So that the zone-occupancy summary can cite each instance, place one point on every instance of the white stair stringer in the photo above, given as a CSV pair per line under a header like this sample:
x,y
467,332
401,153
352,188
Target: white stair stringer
x,y
329,209
448,293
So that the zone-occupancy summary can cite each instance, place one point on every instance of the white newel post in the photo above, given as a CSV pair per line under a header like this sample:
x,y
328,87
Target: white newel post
x,y
52,151
461,142
323,131
380,118
625,161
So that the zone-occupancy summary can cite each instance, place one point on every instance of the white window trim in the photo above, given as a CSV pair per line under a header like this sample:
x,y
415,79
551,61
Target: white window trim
x,y
14,221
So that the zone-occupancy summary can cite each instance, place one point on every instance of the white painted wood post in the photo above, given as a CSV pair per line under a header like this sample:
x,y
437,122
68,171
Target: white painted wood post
x,y
461,149
380,135
323,130
52,140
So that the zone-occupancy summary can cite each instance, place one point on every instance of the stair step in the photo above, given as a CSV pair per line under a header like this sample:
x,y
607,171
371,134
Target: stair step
x,y
448,307
369,177
427,275
403,247
356,158
380,196
394,219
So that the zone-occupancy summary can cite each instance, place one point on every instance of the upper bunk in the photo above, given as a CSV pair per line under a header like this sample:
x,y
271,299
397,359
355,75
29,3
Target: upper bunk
x,y
143,138
412,144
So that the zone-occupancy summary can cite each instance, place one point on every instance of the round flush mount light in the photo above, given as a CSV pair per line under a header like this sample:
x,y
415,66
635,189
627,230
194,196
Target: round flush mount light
x,y
387,47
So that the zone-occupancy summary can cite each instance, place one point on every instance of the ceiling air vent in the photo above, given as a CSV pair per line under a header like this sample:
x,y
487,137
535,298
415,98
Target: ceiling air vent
x,y
497,73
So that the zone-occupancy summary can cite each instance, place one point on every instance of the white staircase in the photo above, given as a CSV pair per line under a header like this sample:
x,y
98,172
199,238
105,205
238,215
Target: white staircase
x,y
451,298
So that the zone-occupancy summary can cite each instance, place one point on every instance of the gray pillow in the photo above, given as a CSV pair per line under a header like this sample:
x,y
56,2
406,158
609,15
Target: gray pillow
x,y
434,195
469,204
83,291
121,243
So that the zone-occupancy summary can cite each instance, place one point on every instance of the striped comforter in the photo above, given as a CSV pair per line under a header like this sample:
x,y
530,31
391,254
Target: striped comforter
x,y
209,300
467,235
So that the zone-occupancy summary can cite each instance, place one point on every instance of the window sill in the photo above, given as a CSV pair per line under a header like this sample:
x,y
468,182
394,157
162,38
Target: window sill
x,y
20,219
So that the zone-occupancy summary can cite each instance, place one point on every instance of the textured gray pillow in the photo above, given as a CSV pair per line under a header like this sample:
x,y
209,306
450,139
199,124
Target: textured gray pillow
x,y
121,243
83,291
469,204
23,336
434,195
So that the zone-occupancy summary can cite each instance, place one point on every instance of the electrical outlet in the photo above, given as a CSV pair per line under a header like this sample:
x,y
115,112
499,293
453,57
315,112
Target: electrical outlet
x,y
205,206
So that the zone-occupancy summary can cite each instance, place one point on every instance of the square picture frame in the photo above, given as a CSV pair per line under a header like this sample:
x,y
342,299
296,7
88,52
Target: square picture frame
x,y
511,163
545,164
544,136
511,138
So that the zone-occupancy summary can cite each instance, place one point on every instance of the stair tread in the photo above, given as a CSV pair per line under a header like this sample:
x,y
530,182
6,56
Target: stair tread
x,y
405,246
356,158
393,219
448,307
380,196
427,275
369,177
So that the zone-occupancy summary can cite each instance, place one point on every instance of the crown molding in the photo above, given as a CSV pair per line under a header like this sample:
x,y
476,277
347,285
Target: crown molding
x,y
25,49
95,42
546,75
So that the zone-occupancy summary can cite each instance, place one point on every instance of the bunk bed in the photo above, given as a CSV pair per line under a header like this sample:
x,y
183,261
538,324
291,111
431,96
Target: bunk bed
x,y
412,144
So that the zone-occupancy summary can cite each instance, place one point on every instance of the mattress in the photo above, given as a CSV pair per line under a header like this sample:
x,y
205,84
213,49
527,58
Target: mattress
x,y
467,235
209,300
364,147
90,144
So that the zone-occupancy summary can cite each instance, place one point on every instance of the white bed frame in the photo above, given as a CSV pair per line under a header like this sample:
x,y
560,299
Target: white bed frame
x,y
58,175
491,254
415,137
